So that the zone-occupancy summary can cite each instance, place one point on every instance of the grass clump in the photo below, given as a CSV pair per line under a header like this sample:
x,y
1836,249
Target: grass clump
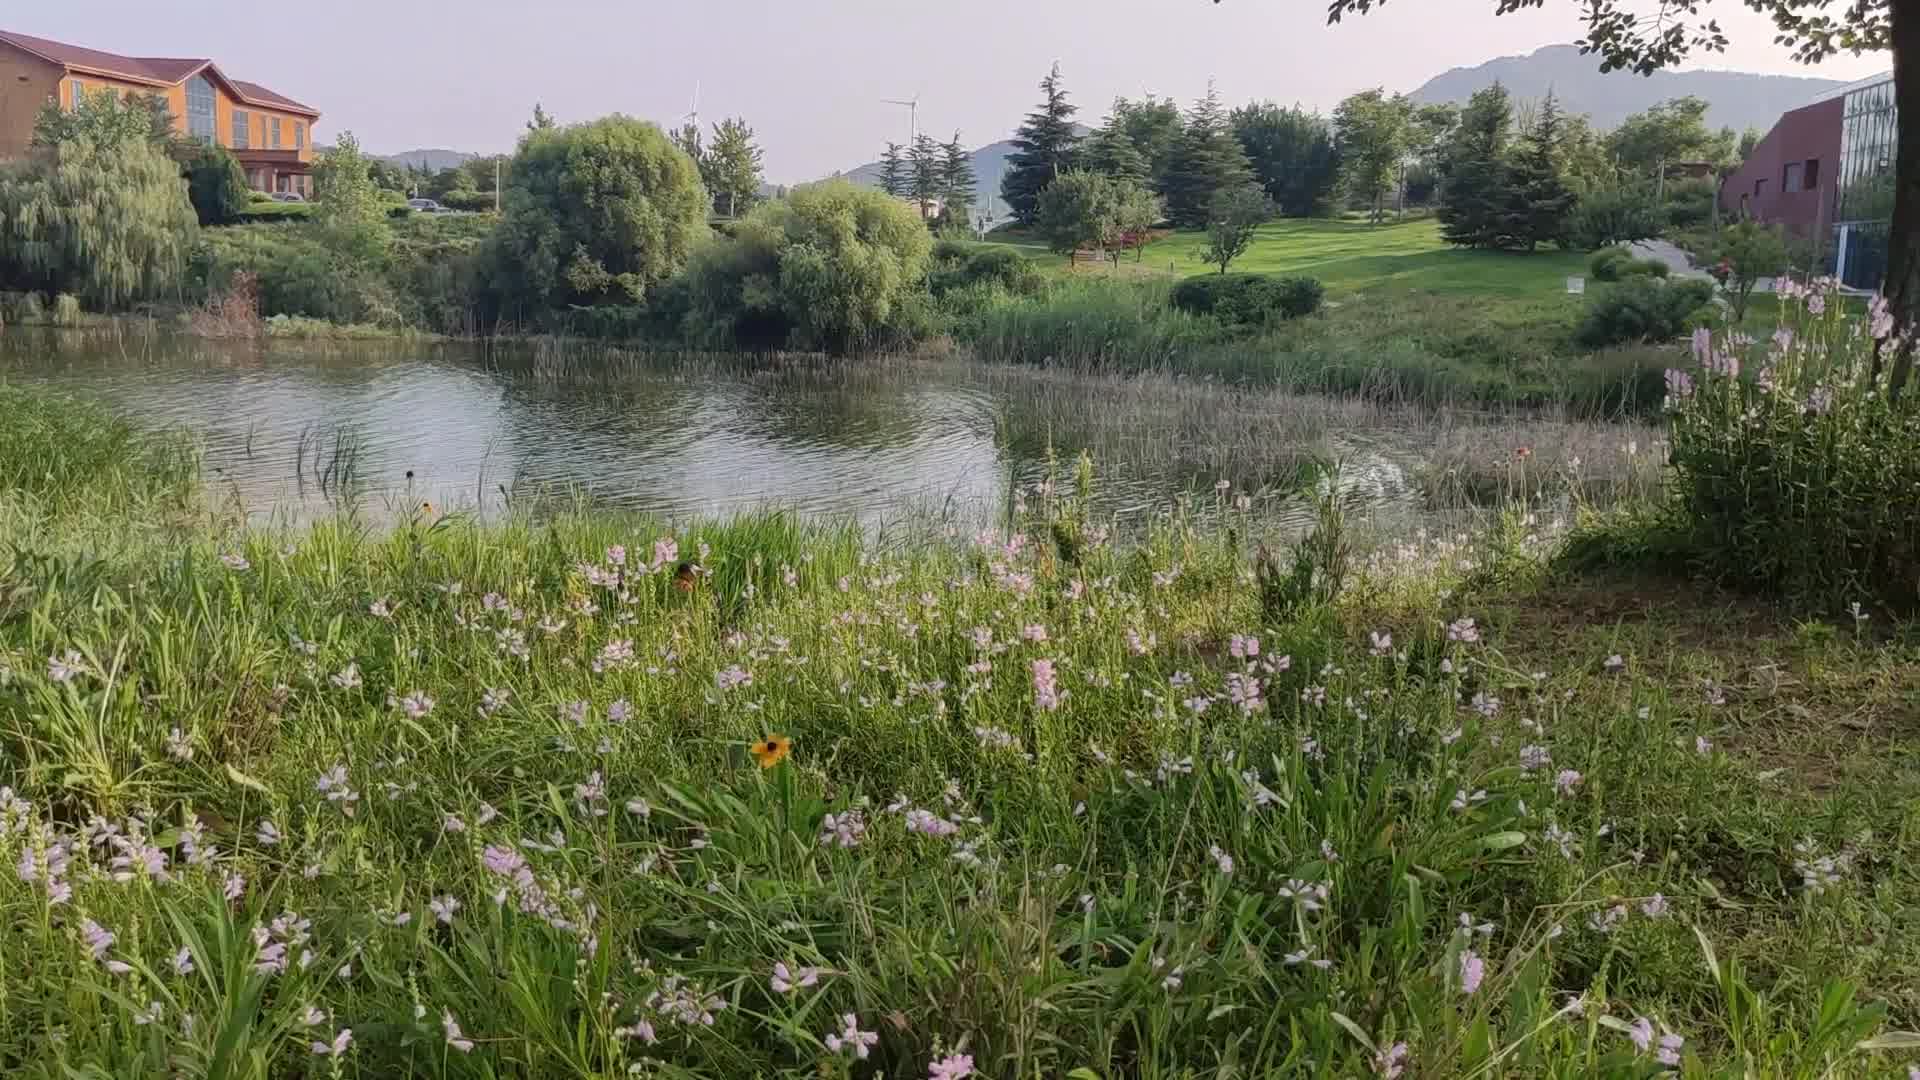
x,y
581,795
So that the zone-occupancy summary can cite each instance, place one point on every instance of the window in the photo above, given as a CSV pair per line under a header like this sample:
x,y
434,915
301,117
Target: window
x,y
1790,178
79,93
1813,174
299,135
1759,189
239,130
200,108
274,126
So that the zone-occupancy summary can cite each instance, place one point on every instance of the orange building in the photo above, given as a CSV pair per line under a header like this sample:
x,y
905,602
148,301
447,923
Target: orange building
x,y
272,135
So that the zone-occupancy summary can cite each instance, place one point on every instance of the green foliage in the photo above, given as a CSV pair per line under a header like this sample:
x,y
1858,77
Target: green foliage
x,y
345,196
1232,219
1098,323
1794,473
66,311
893,171
1044,147
1248,299
957,180
1748,251
1084,209
109,222
217,187
1206,161
106,117
923,174
595,213
830,267
1642,308
1690,202
1668,134
1111,151
1371,131
1292,155
959,265
1614,263
1538,198
1614,213
731,168
1474,188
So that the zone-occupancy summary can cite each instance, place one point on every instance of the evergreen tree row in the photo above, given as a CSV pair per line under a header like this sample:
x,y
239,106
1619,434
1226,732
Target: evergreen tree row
x,y
1496,193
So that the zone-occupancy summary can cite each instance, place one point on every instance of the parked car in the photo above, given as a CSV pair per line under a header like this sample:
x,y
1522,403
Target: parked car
x,y
425,206
287,196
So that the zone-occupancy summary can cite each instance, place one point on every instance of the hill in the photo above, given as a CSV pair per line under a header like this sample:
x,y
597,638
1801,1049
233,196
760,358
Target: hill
x,y
432,160
989,164
1736,99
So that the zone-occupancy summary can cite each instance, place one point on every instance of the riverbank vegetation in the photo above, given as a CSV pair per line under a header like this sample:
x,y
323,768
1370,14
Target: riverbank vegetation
x,y
588,792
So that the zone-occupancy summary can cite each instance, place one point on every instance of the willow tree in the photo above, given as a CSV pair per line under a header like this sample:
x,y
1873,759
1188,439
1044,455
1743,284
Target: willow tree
x,y
106,221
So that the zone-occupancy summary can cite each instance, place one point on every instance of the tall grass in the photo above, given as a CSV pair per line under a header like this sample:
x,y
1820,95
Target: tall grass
x,y
452,801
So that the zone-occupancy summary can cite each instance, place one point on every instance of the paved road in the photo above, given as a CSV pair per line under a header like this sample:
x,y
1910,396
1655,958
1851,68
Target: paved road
x,y
1678,262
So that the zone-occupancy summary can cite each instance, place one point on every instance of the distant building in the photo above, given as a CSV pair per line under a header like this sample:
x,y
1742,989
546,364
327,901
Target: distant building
x,y
1825,172
271,135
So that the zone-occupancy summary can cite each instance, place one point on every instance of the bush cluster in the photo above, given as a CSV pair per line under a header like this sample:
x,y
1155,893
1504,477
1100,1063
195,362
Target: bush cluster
x,y
1642,308
1615,263
1248,299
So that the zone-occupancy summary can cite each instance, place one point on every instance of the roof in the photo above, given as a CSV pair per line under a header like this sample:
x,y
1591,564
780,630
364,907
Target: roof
x,y
1843,91
151,70
255,94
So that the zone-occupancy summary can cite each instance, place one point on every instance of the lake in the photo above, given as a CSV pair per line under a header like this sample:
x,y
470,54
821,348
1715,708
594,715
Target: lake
x,y
294,430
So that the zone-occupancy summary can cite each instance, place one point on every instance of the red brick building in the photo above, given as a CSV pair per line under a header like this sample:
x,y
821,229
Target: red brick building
x,y
1825,172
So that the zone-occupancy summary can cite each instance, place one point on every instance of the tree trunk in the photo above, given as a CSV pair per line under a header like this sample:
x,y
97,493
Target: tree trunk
x,y
1902,286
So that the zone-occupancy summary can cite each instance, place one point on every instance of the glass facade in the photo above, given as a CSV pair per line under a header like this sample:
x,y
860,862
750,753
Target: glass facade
x,y
1863,206
200,108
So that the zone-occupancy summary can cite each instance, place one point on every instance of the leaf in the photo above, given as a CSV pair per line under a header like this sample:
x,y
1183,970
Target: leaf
x,y
1501,841
1892,1040
246,781
1353,1029
1219,1011
1083,1073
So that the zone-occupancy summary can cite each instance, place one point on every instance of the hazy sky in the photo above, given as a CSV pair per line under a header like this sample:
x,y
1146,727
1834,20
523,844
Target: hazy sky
x,y
809,75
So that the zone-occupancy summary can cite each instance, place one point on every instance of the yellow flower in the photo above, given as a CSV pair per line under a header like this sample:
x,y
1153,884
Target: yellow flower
x,y
771,750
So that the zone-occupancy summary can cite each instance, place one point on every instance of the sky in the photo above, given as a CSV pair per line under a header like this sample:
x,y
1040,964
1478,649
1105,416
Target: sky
x,y
810,76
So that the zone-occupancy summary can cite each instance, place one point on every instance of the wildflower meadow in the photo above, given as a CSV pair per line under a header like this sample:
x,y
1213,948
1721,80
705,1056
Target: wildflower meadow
x,y
593,796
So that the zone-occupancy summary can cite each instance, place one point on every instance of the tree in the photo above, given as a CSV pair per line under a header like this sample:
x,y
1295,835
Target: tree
x,y
957,180
1428,127
1111,151
1747,252
542,120
1669,133
893,172
1153,125
1232,220
1043,149
687,137
596,213
1538,198
833,266
1614,213
1206,161
109,119
923,177
1371,129
732,167
1749,139
217,186
1624,40
1292,155
105,220
1473,187
343,185
1083,209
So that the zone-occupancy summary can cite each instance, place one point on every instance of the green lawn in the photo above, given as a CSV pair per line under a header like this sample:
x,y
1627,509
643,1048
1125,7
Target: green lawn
x,y
1350,257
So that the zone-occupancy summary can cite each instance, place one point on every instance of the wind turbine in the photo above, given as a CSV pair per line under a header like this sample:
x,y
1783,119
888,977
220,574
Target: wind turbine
x,y
693,111
913,114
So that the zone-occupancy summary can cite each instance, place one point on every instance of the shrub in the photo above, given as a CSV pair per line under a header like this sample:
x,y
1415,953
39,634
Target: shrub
x,y
217,186
262,211
1249,299
1747,252
1614,215
1098,323
1801,481
1642,308
1617,263
959,265
830,267
1690,203
464,199
66,310
20,308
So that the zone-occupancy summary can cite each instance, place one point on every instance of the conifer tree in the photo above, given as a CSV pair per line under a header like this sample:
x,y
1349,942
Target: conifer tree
x,y
1044,147
1206,161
